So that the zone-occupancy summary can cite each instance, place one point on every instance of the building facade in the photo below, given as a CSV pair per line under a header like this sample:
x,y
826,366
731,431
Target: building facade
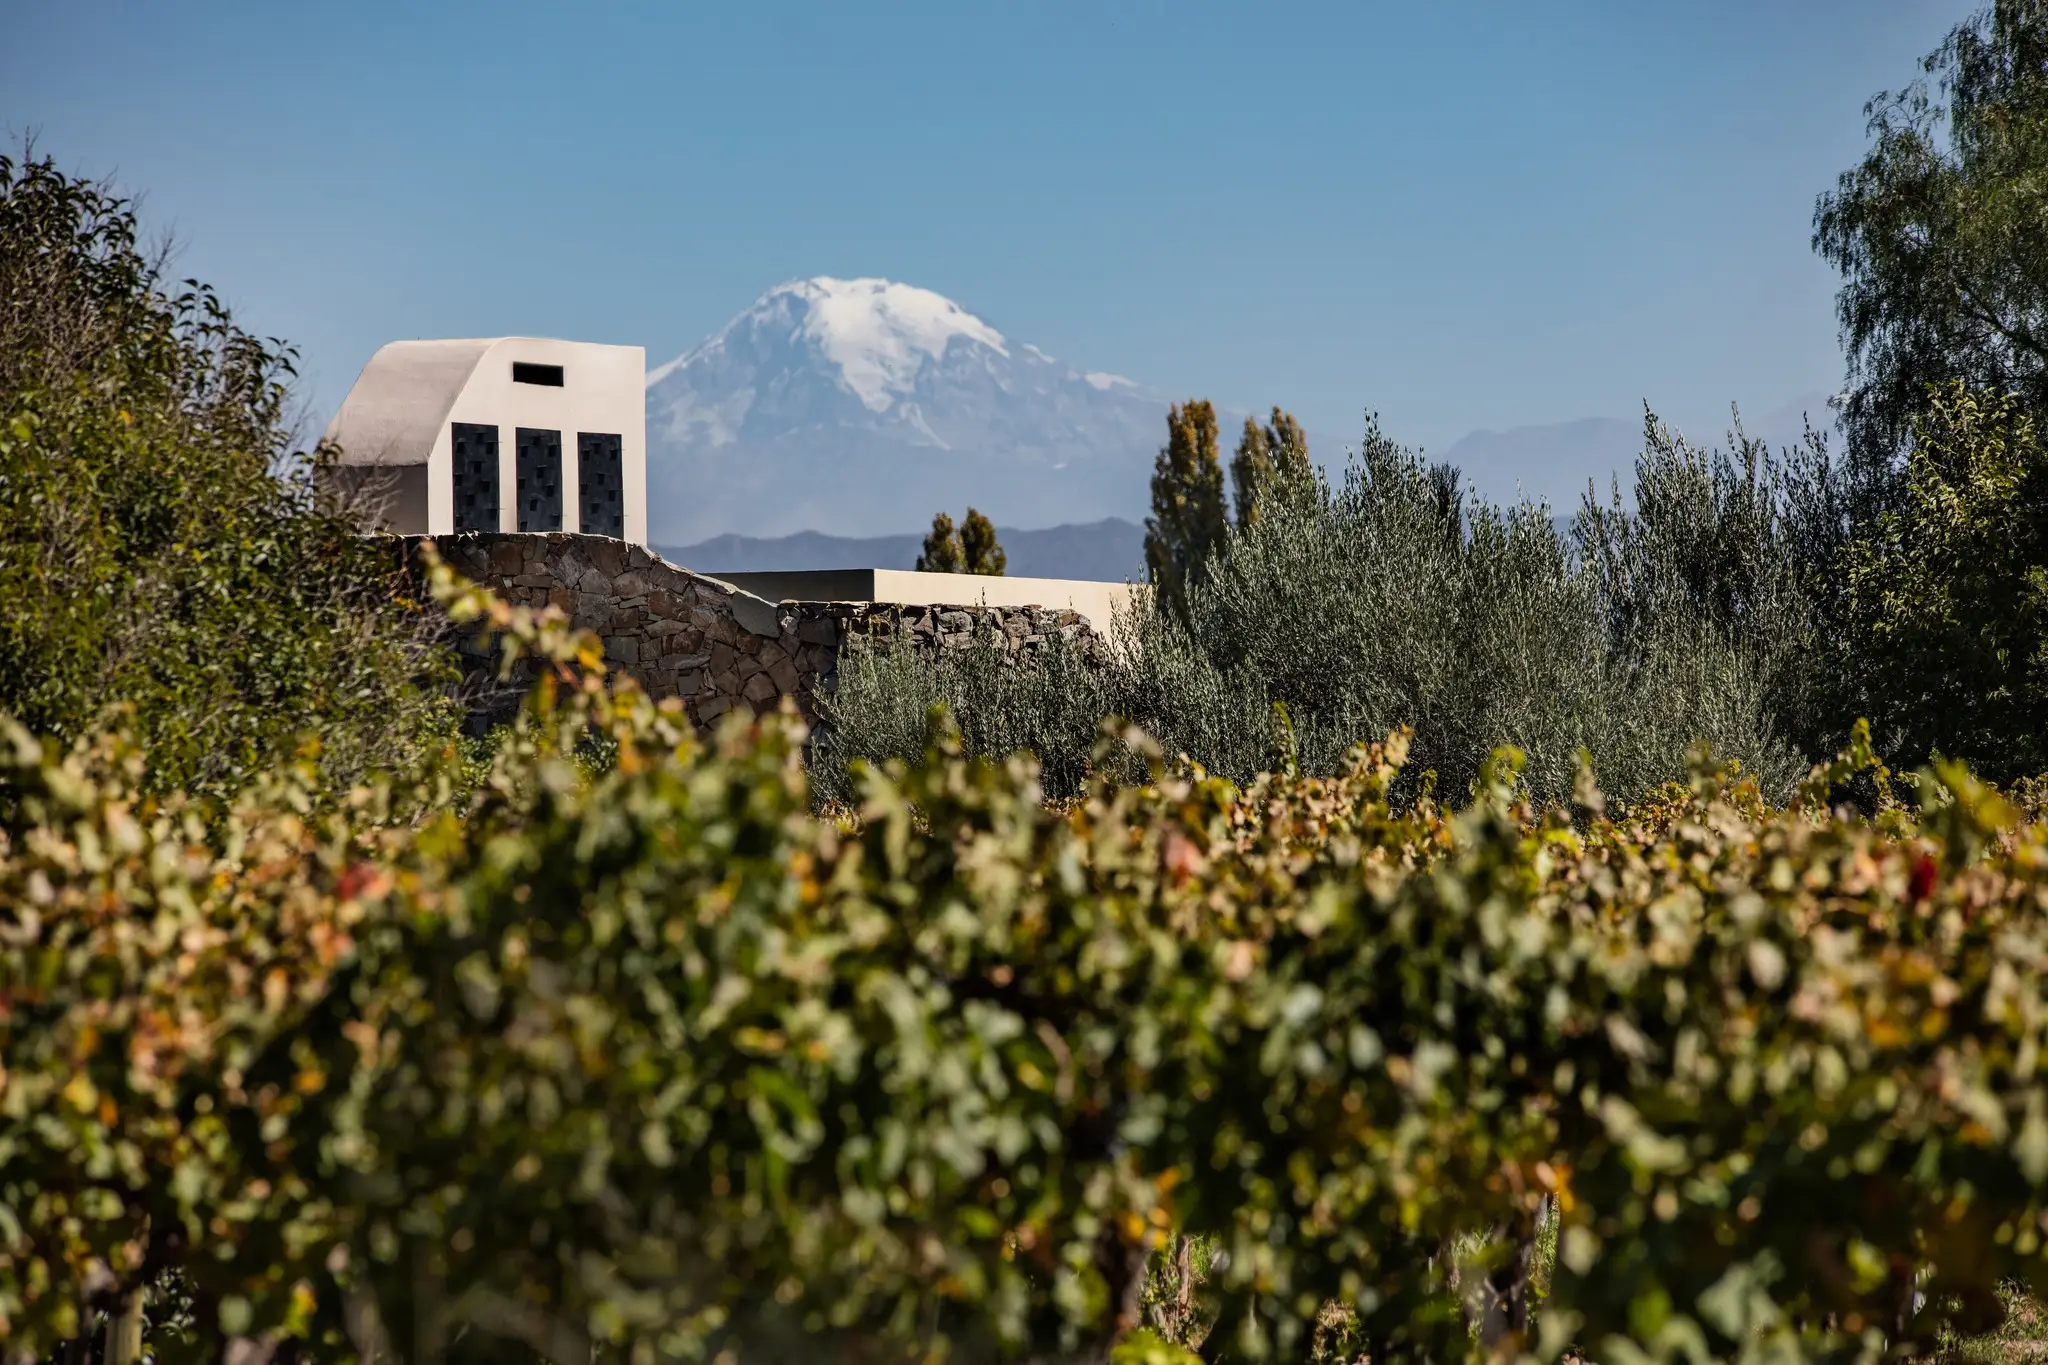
x,y
498,434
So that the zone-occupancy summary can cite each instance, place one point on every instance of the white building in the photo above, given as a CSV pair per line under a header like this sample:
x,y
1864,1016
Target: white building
x,y
499,434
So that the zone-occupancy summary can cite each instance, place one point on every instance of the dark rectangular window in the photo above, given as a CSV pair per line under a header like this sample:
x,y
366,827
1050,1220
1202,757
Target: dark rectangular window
x,y
600,485
476,476
550,375
540,479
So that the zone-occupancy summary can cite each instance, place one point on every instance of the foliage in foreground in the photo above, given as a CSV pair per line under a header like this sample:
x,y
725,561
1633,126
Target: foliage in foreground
x,y
650,1057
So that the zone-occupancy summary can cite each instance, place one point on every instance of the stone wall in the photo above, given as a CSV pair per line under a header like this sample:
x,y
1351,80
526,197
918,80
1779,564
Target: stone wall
x,y
685,635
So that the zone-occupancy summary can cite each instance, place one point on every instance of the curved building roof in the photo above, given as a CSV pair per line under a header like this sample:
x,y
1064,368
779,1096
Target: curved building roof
x,y
403,397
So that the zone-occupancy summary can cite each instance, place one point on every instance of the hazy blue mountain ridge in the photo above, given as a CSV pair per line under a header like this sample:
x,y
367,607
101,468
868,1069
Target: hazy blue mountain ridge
x,y
1110,551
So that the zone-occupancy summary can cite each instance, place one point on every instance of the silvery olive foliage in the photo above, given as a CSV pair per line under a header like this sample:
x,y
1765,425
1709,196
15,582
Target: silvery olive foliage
x,y
1395,597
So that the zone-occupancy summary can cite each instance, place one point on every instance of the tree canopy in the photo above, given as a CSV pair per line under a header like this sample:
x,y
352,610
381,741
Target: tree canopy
x,y
1265,455
1941,236
972,548
162,547
941,553
979,548
1188,522
1948,598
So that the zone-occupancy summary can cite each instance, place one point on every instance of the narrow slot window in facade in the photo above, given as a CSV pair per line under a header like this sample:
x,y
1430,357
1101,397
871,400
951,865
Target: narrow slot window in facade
x,y
540,479
476,476
548,375
600,485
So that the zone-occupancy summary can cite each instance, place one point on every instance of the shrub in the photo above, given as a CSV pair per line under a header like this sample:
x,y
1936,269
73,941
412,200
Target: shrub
x,y
1946,598
1377,604
644,1055
1396,599
159,547
1048,702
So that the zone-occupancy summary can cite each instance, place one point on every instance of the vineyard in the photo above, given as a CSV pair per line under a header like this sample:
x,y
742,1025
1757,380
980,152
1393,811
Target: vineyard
x,y
642,1059
1580,1016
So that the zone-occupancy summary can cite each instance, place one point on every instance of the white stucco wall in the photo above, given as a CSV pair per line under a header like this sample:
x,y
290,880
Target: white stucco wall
x,y
1099,602
406,399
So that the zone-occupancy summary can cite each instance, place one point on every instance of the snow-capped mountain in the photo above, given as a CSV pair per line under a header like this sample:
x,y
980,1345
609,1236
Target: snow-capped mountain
x,y
862,406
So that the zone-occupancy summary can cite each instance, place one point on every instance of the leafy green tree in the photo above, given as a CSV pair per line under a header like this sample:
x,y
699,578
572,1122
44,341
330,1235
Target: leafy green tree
x,y
161,547
1708,544
1947,640
1941,237
979,548
1188,522
942,551
1266,455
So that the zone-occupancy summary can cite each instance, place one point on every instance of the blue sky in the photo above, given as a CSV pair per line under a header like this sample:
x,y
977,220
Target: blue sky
x,y
1464,215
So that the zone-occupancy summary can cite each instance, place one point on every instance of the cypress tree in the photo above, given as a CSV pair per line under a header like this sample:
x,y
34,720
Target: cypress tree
x,y
1250,470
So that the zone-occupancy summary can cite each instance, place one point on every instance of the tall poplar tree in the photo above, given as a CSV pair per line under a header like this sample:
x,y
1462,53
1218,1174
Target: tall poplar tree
x,y
1188,522
1265,456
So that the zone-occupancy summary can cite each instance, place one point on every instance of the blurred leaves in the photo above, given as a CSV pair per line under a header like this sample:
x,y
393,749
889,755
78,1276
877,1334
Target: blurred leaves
x,y
645,1055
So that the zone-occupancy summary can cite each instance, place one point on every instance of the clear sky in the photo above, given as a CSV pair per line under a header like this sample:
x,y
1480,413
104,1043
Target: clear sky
x,y
1465,215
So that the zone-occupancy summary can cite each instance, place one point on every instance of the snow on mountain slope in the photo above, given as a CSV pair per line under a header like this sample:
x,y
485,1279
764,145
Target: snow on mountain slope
x,y
880,334
861,406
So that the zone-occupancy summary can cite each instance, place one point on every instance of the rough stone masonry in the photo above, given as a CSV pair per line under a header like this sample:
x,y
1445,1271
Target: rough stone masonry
x,y
682,634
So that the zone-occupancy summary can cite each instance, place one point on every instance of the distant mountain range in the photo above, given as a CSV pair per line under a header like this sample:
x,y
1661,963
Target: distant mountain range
x,y
1554,462
1108,551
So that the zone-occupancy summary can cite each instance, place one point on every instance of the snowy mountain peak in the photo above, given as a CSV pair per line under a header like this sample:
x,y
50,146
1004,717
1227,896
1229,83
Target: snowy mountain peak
x,y
852,405
876,331
878,334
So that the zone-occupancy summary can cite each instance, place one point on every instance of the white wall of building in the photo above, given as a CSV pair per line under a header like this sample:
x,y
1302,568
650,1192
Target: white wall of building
x,y
403,406
1100,603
